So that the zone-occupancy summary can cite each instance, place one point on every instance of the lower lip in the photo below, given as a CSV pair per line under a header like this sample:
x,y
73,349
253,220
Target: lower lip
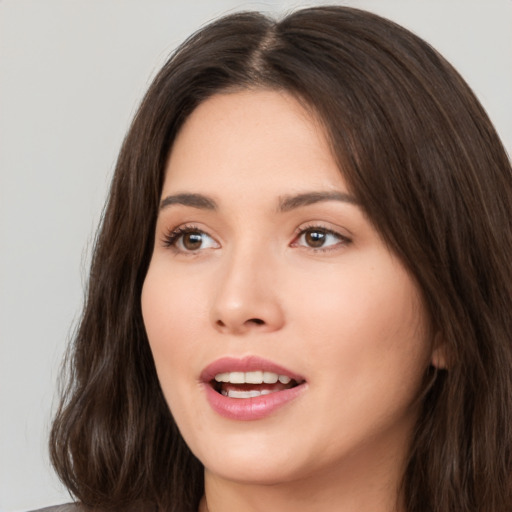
x,y
255,408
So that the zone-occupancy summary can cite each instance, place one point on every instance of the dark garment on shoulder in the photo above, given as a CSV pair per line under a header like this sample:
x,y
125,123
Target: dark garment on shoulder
x,y
76,507
69,507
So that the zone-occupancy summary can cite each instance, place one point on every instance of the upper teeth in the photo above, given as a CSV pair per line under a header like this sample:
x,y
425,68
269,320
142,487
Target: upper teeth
x,y
258,377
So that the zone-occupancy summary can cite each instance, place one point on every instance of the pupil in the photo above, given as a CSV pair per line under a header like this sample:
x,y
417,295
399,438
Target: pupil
x,y
315,238
192,241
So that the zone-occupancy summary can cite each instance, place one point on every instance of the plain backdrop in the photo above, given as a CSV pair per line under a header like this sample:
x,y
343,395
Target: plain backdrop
x,y
71,75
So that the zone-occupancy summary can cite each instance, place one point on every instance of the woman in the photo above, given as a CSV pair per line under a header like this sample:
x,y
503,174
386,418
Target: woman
x,y
299,297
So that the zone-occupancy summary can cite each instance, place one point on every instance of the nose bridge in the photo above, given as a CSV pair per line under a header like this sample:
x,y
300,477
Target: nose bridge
x,y
246,297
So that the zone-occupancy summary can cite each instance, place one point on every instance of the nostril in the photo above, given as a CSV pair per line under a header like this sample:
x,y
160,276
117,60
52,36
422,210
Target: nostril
x,y
233,325
257,321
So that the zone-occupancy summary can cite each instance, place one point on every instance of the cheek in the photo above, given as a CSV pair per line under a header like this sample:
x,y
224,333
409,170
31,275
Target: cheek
x,y
171,307
366,343
173,310
366,323
170,313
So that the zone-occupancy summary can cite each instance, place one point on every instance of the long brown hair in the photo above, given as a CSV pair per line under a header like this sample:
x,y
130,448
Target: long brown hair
x,y
422,157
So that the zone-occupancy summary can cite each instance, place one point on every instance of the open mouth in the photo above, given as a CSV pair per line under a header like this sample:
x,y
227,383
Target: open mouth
x,y
251,384
249,388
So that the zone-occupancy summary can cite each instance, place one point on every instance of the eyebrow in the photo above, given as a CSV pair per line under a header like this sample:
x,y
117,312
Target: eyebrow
x,y
193,200
286,203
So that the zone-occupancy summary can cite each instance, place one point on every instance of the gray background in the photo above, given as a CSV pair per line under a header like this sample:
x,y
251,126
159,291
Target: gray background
x,y
71,75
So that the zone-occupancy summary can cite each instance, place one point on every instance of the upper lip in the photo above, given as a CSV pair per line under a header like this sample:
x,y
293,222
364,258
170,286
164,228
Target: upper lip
x,y
245,364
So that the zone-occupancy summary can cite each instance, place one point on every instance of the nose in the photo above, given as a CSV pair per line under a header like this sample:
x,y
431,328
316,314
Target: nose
x,y
246,298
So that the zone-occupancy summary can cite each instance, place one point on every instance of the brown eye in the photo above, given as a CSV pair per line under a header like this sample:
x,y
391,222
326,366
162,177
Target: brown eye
x,y
320,238
185,239
192,241
315,238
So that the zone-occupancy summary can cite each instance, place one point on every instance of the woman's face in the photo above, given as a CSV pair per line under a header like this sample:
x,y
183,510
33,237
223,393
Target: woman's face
x,y
265,268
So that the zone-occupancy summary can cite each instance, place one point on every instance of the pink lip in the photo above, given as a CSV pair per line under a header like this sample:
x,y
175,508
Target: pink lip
x,y
245,364
246,409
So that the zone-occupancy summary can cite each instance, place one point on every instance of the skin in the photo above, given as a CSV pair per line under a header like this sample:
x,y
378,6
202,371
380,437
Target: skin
x,y
347,316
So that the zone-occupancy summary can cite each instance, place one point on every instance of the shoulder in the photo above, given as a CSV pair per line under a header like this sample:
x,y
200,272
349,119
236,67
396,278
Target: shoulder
x,y
69,507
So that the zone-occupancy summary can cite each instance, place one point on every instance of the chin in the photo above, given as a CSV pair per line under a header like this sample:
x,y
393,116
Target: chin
x,y
252,459
254,472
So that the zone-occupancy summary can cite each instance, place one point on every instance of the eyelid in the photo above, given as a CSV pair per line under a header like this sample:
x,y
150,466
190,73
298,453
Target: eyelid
x,y
172,236
344,240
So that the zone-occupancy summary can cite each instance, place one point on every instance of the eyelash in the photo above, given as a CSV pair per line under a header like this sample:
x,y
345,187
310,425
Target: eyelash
x,y
302,231
173,237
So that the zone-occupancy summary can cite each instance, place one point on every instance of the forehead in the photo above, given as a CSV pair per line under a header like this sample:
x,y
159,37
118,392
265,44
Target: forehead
x,y
253,137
